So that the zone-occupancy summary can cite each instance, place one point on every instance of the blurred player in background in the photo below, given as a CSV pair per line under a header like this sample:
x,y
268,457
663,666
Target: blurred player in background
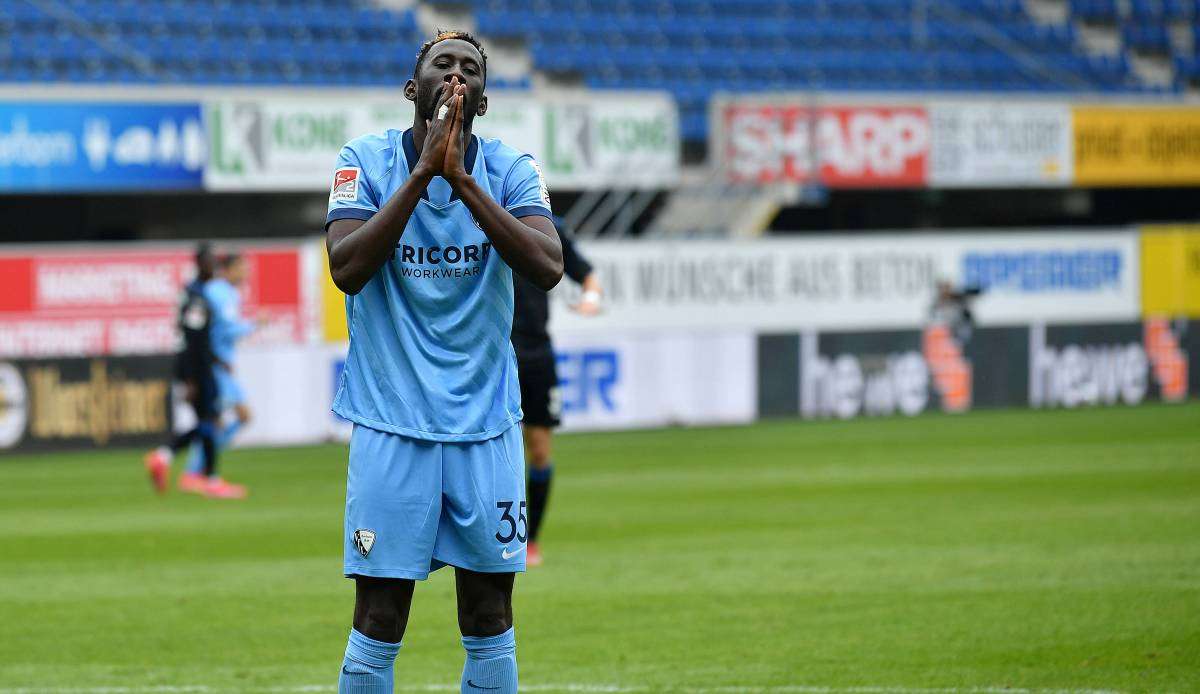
x,y
425,230
223,293
540,398
952,309
193,368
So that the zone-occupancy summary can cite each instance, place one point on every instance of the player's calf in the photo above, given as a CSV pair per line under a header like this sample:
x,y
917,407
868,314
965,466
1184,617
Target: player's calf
x,y
380,617
486,621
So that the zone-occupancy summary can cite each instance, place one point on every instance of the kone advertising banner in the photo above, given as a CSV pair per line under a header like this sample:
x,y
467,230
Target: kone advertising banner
x,y
580,141
875,281
70,146
262,144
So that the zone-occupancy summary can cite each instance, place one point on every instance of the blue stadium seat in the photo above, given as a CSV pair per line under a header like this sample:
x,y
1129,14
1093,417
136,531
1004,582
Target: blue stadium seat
x,y
1094,10
691,48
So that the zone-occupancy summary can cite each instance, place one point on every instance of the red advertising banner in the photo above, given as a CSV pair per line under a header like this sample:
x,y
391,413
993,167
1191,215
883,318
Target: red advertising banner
x,y
856,146
101,301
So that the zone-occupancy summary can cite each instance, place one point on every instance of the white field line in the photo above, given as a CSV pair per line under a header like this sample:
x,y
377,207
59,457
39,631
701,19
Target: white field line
x,y
574,688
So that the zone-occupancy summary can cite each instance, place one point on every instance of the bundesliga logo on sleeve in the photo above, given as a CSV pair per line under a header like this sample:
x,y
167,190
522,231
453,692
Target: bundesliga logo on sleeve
x,y
345,185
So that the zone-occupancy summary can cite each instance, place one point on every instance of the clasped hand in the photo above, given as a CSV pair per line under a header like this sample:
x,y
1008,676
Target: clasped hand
x,y
442,153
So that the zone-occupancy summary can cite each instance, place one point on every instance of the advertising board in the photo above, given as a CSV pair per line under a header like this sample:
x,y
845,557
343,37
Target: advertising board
x,y
88,301
75,146
876,281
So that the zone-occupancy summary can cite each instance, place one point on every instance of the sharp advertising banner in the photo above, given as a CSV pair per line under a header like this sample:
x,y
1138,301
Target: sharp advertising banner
x,y
870,282
848,141
581,141
123,300
838,146
68,146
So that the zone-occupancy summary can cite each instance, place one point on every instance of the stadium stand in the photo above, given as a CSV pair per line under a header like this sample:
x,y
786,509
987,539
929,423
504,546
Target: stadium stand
x,y
693,48
289,42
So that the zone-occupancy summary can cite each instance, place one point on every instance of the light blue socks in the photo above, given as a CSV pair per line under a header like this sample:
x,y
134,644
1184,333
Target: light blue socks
x,y
491,664
367,668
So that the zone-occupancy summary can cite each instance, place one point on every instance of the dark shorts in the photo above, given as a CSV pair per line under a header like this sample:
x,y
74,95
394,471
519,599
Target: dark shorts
x,y
202,387
540,398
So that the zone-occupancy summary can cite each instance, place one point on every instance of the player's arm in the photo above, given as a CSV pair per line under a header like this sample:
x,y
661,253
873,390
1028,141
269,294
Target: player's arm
x,y
530,244
357,248
580,270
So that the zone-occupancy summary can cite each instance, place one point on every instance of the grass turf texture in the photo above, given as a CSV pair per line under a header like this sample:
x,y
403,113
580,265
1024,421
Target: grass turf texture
x,y
1024,549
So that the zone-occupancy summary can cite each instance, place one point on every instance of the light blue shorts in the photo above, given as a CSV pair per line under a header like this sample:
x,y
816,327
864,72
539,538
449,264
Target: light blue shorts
x,y
414,506
229,391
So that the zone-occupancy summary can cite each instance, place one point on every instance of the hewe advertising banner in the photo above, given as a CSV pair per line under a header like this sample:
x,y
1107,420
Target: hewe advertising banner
x,y
581,141
848,374
1000,144
882,281
844,375
1111,364
837,146
90,301
75,146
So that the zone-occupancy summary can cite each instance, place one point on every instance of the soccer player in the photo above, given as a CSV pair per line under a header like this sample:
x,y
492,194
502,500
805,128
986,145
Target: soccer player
x,y
424,231
223,293
540,399
193,367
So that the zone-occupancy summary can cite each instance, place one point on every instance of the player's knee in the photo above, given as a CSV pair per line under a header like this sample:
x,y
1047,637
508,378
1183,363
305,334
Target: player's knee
x,y
537,447
485,619
539,459
380,622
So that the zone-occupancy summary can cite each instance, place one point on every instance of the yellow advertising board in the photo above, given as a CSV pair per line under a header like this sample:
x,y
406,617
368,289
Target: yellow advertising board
x,y
1171,270
1136,146
333,306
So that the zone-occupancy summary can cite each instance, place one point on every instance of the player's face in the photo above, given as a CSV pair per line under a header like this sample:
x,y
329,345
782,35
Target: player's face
x,y
449,58
235,274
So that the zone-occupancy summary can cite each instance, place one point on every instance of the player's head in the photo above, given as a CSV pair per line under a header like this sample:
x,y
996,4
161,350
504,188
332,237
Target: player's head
x,y
206,262
233,268
449,54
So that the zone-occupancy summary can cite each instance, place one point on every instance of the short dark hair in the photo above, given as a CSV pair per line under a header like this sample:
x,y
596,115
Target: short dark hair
x,y
447,35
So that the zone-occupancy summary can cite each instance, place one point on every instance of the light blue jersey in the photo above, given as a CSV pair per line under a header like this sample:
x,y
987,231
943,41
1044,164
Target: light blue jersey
x,y
228,326
430,356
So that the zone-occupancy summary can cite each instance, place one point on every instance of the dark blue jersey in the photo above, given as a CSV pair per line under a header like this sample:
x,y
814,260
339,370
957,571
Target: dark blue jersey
x,y
195,317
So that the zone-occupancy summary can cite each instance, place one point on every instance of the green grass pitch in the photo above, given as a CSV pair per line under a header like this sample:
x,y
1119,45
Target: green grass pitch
x,y
1031,550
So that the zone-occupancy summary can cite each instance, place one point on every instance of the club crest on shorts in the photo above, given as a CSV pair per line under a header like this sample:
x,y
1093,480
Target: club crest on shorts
x,y
364,540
